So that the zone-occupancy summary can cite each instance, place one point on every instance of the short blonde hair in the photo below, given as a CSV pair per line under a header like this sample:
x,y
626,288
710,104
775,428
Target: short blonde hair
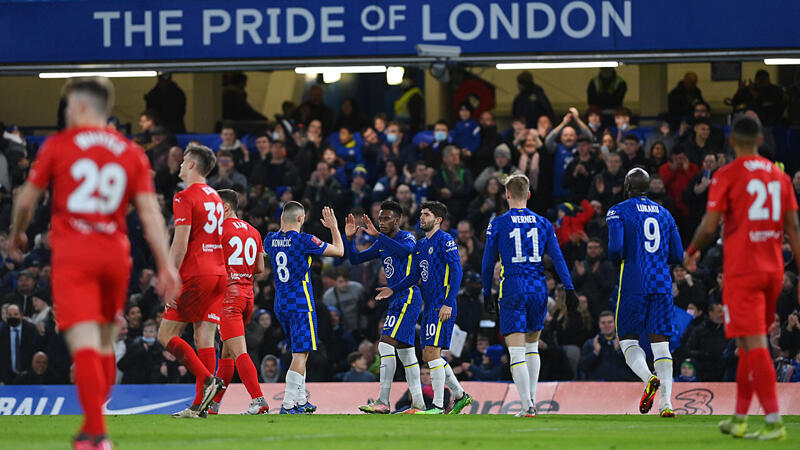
x,y
518,187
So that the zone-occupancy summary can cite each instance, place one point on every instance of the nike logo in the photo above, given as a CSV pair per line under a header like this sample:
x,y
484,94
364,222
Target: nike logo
x,y
142,409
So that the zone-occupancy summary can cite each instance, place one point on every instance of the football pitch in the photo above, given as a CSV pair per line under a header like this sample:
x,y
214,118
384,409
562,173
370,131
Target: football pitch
x,y
379,432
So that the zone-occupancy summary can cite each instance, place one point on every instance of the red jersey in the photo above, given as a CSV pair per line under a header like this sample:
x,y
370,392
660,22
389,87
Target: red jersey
x,y
753,196
199,205
242,245
94,173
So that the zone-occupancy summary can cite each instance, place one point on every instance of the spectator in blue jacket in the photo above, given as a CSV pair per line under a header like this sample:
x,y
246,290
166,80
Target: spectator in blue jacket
x,y
347,146
467,133
601,357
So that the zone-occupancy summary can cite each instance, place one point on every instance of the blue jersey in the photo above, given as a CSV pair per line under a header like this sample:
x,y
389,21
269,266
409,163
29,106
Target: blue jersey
x,y
290,256
435,263
521,237
643,236
395,255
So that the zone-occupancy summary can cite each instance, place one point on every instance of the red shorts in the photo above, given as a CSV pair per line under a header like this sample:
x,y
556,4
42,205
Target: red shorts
x,y
92,290
749,301
237,307
200,300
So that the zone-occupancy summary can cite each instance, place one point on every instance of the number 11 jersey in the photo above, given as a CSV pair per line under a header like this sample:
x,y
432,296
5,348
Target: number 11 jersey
x,y
290,256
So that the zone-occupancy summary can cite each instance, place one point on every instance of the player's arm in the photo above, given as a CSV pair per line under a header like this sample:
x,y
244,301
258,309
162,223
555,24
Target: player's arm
x,y
456,274
488,262
169,282
260,265
552,249
357,257
616,235
401,249
24,205
704,234
180,243
336,247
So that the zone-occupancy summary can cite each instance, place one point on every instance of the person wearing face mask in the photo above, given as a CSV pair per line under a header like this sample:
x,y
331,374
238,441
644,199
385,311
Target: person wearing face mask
x,y
595,124
410,107
531,101
606,91
394,147
143,357
18,342
432,153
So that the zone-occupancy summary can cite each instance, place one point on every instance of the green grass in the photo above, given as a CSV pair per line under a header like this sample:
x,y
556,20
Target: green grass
x,y
380,432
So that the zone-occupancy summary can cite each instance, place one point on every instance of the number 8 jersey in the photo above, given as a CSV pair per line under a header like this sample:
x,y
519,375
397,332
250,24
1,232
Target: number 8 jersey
x,y
95,173
290,256
199,205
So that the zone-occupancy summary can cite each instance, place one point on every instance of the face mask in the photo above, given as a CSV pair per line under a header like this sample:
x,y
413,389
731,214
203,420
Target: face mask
x,y
13,321
391,138
149,340
275,136
594,126
604,149
440,136
624,126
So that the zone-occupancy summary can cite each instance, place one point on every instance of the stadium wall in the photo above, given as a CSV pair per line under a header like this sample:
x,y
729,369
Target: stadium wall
x,y
344,398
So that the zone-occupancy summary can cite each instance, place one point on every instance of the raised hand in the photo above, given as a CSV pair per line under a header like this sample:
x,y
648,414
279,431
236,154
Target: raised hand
x,y
350,226
369,227
329,218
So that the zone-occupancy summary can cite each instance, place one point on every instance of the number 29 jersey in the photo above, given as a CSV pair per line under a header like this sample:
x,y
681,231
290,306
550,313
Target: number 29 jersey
x,y
290,256
753,195
94,172
200,207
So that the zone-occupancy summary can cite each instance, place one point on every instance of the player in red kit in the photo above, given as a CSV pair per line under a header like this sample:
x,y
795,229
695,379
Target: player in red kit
x,y
197,250
95,173
244,257
756,203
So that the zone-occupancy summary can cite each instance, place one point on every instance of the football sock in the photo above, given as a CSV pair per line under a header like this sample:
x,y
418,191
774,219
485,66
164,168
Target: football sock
x,y
437,381
300,395
88,370
209,359
452,381
519,372
225,371
635,357
248,374
388,366
744,386
109,364
408,357
534,364
662,362
294,382
763,373
188,358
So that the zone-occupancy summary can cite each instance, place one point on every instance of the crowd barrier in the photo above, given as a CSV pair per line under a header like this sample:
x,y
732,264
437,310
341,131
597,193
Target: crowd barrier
x,y
344,398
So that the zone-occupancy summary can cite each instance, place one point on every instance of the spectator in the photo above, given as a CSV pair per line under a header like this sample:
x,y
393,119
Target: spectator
x,y
570,223
237,149
530,158
18,342
277,170
262,335
572,325
489,139
489,204
632,154
345,296
432,153
502,168
39,372
42,309
767,99
453,182
563,150
323,188
706,344
606,91
24,293
405,197
372,147
168,101
688,372
317,110
467,132
410,107
348,148
658,193
358,194
662,134
227,176
270,371
133,318
696,194
594,277
387,184
395,148
234,99
677,174
358,369
682,99
702,110
657,157
595,124
466,237
622,121
701,144
531,102
167,179
687,289
147,122
607,144
420,183
349,116
581,170
601,357
143,361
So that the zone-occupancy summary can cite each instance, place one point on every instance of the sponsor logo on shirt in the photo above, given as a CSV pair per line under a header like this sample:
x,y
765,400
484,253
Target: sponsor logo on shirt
x,y
208,248
213,316
180,220
764,235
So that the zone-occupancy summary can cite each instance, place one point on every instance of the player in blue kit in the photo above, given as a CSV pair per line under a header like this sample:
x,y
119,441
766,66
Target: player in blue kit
x,y
436,265
290,253
521,237
394,248
643,237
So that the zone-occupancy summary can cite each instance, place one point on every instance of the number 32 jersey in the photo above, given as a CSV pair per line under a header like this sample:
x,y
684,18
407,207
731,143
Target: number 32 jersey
x,y
199,205
753,195
94,172
643,235
290,256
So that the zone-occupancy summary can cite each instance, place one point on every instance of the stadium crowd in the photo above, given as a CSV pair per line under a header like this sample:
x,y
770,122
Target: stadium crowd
x,y
576,162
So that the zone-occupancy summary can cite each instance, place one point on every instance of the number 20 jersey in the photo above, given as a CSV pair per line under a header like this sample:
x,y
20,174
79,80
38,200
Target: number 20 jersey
x,y
290,256
94,172
753,195
199,205
242,246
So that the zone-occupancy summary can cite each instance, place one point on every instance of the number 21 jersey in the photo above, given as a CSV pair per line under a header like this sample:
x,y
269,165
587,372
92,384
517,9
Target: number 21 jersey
x,y
199,205
94,173
289,253
753,195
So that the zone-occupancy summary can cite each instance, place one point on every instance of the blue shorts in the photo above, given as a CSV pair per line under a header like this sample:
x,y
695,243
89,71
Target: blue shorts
x,y
300,328
402,317
436,333
640,313
522,313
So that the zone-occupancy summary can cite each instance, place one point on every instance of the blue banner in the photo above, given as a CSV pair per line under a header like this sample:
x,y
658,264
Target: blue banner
x,y
125,399
71,31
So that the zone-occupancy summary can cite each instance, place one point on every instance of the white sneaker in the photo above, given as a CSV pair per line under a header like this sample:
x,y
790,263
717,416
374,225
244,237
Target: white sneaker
x,y
257,406
187,413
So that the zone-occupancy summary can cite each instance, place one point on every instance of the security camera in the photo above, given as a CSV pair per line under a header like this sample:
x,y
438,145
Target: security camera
x,y
439,51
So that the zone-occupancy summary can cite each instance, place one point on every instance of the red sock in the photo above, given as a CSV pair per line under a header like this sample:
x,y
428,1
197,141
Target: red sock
x,y
225,371
744,387
187,357
209,359
90,382
248,374
109,363
764,380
